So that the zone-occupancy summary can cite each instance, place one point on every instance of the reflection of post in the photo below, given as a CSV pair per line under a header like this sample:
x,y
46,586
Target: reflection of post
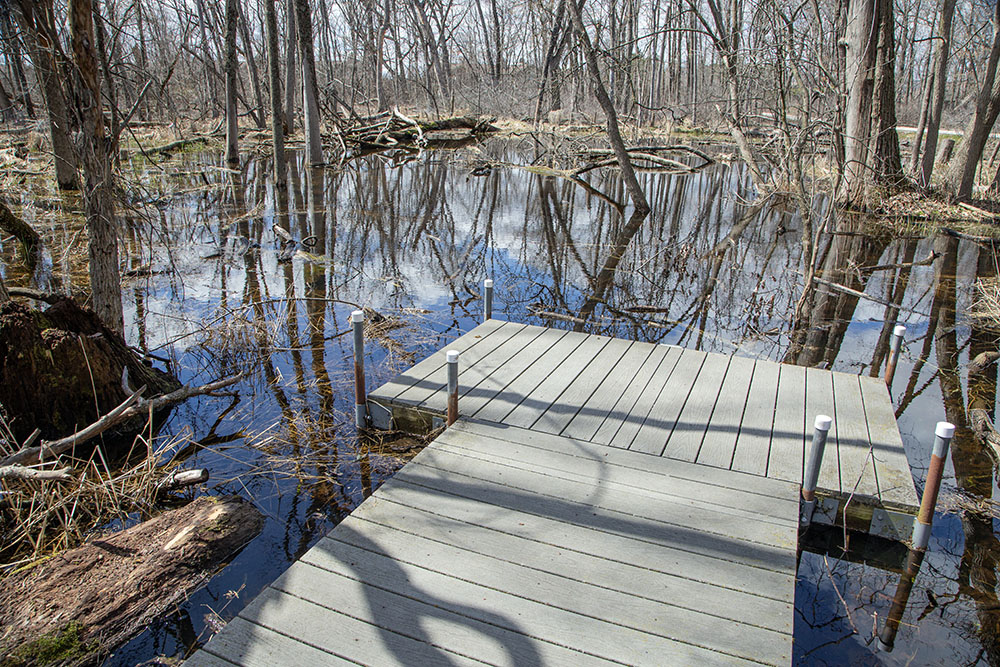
x,y
922,525
488,300
887,638
452,357
360,407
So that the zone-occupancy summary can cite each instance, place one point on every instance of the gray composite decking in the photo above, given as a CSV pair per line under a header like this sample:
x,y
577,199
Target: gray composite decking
x,y
600,501
505,546
729,412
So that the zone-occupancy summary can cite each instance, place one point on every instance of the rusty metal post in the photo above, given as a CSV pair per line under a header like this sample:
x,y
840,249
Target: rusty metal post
x,y
360,397
922,524
894,349
487,300
887,638
821,428
452,357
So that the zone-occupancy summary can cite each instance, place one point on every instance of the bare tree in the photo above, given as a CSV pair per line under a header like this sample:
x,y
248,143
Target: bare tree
x,y
232,119
310,87
274,81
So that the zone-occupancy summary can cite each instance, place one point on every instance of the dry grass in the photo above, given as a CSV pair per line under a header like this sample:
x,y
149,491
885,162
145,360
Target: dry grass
x,y
986,305
41,518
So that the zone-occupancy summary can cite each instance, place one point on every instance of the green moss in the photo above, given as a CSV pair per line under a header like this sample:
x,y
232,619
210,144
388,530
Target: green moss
x,y
63,645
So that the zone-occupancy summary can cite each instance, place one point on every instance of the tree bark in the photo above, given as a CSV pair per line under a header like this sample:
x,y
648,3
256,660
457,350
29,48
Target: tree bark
x,y
614,134
274,81
942,50
98,203
38,23
291,50
960,178
232,120
310,86
862,46
887,162
258,111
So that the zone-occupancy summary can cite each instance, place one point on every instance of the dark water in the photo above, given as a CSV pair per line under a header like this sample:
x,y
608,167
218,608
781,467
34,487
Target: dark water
x,y
412,237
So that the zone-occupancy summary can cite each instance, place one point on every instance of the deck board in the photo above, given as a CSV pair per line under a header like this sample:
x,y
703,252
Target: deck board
x,y
670,400
718,447
686,437
624,405
753,446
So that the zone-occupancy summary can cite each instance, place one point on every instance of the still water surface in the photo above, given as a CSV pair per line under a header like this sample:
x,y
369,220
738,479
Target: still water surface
x,y
411,237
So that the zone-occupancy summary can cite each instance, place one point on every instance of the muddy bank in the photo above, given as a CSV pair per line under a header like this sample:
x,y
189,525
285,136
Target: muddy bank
x,y
78,606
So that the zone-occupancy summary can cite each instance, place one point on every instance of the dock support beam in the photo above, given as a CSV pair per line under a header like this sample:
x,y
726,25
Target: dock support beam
x,y
894,349
487,300
360,397
821,428
452,357
922,525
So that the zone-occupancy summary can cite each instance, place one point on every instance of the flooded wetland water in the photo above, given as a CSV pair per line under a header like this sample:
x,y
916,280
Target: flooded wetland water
x,y
410,237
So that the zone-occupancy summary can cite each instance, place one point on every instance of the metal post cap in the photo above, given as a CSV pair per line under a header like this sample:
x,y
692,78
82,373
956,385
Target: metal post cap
x,y
487,283
452,356
944,430
358,316
900,330
823,423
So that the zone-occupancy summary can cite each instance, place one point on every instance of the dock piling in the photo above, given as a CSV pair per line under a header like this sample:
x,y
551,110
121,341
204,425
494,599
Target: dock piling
x,y
894,349
360,398
925,517
821,428
452,356
487,300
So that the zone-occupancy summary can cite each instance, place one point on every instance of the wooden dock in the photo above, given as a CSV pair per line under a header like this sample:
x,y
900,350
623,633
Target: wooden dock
x,y
600,501
729,412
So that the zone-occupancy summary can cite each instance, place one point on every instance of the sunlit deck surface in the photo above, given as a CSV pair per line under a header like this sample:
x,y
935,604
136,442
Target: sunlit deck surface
x,y
600,501
729,412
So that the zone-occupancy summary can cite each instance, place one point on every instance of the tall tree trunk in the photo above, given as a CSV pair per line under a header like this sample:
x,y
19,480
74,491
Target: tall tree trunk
x,y
961,175
942,49
614,134
291,50
310,87
103,239
38,23
862,46
886,161
14,40
258,111
232,120
274,80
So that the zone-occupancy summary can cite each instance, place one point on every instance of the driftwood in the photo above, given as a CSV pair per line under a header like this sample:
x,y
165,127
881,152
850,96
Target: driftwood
x,y
180,479
606,158
35,474
393,129
980,405
133,406
96,596
177,145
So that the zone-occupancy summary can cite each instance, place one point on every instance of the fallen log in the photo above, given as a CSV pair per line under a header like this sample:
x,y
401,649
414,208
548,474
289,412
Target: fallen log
x,y
35,474
93,598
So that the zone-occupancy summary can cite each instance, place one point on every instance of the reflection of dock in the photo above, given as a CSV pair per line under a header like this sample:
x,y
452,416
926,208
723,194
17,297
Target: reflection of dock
x,y
600,500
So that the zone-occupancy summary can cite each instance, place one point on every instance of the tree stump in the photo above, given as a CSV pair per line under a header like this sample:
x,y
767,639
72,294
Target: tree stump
x,y
61,369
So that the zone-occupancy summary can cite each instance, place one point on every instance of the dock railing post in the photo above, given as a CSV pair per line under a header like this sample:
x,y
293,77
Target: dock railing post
x,y
452,356
894,349
360,398
487,300
821,428
922,524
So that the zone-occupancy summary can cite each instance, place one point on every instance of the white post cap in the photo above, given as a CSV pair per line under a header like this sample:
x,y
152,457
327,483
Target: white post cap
x,y
823,423
488,283
452,356
944,430
900,330
358,316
